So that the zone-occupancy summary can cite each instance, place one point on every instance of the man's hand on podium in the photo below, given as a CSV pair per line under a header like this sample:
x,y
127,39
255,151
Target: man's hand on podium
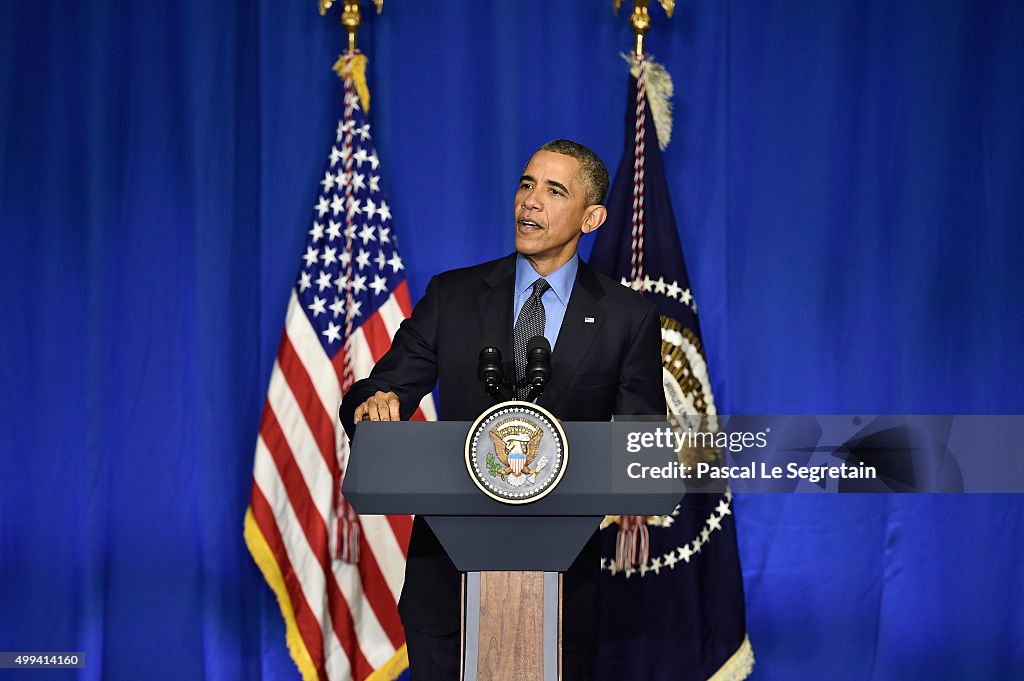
x,y
381,407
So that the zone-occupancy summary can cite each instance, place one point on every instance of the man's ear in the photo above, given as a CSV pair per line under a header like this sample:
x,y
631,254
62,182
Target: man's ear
x,y
596,215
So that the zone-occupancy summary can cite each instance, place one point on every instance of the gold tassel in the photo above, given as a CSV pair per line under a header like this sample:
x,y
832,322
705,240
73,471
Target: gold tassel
x,y
355,64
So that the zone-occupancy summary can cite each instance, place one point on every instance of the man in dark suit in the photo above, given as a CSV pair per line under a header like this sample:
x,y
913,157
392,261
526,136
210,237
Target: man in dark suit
x,y
606,346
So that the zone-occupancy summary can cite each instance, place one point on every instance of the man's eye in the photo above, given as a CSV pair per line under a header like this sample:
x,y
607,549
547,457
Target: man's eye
x,y
555,192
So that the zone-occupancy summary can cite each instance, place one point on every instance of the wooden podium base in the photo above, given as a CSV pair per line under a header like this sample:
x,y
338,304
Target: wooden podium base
x,y
511,626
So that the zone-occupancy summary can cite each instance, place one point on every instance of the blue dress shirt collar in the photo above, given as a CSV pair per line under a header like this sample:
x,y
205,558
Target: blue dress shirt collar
x,y
561,280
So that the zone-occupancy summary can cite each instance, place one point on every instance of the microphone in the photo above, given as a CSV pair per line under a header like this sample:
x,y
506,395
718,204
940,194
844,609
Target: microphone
x,y
538,365
489,370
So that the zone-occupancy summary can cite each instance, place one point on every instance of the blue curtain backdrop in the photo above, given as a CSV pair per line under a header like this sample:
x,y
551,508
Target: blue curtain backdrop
x,y
847,178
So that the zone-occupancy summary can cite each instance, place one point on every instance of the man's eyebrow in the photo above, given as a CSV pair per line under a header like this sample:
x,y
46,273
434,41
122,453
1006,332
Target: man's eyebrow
x,y
559,185
550,183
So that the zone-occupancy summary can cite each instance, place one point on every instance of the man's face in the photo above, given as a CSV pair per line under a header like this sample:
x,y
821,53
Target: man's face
x,y
551,211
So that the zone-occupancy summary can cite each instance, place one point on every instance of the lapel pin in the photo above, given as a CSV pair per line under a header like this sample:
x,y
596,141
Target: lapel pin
x,y
588,320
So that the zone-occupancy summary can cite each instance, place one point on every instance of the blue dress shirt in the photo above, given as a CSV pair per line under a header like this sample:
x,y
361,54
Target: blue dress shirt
x,y
555,299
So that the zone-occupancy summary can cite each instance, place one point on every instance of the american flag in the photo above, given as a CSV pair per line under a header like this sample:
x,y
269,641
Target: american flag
x,y
337,576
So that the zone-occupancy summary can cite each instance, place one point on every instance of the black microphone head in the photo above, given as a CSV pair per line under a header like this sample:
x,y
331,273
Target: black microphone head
x,y
538,361
489,369
536,344
490,355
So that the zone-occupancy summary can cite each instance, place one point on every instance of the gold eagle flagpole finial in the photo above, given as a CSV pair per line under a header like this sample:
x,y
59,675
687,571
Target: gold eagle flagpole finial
x,y
640,19
651,76
351,17
352,64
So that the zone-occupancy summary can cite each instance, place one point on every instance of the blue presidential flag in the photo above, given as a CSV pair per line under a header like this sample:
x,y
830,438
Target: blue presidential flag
x,y
671,596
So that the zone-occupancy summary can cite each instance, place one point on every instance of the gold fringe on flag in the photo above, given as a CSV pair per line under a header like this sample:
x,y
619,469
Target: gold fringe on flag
x,y
267,563
393,668
739,666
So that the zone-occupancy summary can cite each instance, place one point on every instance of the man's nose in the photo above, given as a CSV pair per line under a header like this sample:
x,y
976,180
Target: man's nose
x,y
532,200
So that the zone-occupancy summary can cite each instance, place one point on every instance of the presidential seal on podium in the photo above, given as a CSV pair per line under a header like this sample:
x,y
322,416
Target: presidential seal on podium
x,y
516,452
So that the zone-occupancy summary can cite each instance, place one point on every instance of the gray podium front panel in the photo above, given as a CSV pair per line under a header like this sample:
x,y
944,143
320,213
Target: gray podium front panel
x,y
419,468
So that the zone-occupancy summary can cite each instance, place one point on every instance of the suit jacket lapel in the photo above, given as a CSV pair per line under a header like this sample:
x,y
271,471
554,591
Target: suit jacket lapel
x,y
495,306
577,333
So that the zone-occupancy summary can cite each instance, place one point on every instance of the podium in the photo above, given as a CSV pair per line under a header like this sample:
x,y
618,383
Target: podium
x,y
511,589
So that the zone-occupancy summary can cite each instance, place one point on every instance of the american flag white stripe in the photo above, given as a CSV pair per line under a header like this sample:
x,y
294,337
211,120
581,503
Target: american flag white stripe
x,y
391,314
428,409
359,355
390,556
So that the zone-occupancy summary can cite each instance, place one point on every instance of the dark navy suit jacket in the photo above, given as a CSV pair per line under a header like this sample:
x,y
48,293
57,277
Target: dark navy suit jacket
x,y
606,361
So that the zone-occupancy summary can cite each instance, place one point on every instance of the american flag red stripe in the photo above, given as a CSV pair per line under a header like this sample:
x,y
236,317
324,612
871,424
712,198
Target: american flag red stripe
x,y
350,297
402,296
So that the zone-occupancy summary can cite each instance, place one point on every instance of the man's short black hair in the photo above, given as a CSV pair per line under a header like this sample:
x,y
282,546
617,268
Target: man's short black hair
x,y
593,171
